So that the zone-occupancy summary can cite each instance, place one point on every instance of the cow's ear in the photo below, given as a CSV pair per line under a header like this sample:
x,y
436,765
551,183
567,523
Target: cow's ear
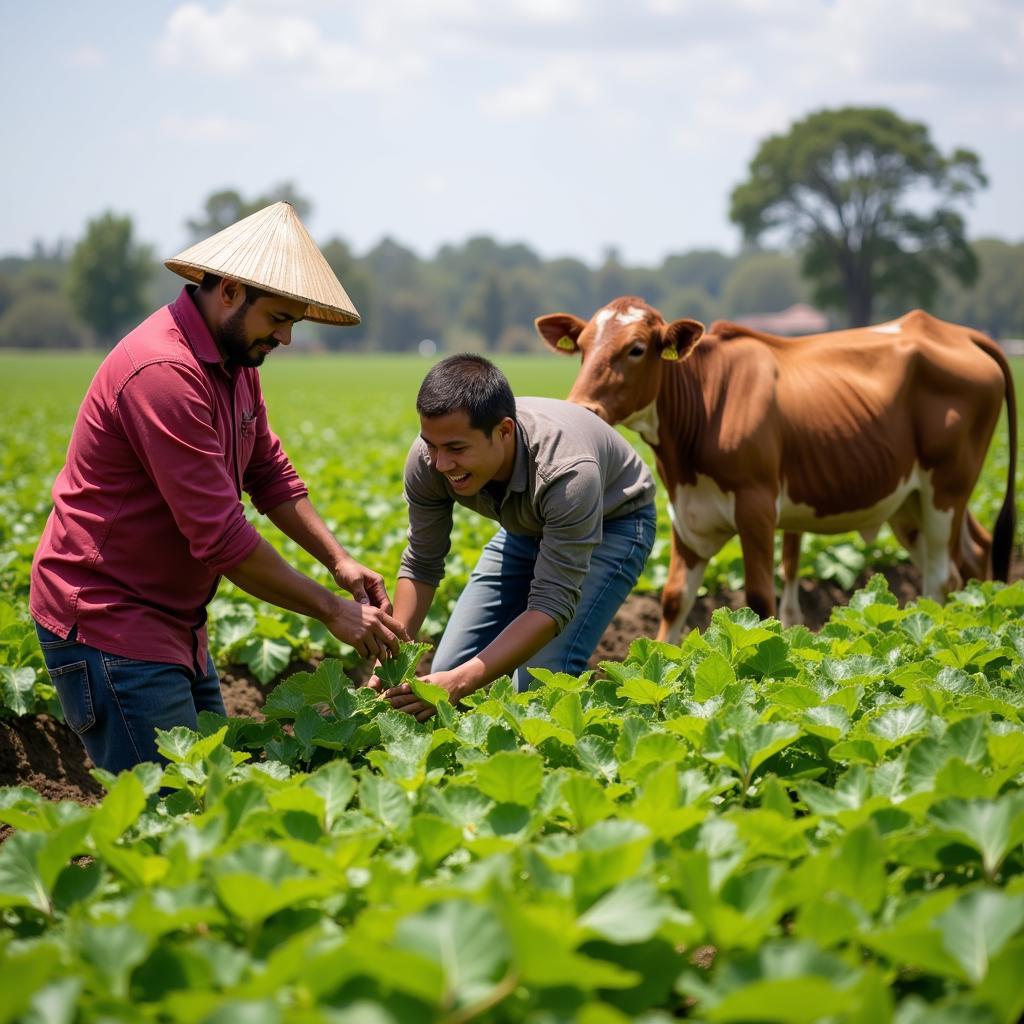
x,y
679,338
560,331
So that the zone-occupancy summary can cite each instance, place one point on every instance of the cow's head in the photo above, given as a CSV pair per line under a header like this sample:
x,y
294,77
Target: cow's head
x,y
624,348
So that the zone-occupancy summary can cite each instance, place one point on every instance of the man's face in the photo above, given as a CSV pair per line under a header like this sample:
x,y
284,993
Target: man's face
x,y
468,458
253,329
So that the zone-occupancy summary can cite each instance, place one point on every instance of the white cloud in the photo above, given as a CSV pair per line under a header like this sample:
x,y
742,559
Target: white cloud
x,y
558,82
243,38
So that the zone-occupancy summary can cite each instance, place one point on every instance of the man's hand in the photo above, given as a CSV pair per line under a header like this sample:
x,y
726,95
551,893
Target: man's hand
x,y
455,682
373,632
365,585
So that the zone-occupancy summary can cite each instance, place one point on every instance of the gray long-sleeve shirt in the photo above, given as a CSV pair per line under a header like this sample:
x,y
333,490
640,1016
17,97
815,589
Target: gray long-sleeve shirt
x,y
572,471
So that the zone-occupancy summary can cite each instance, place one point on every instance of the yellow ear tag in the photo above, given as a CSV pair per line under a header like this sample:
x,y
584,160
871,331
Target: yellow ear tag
x,y
670,353
566,344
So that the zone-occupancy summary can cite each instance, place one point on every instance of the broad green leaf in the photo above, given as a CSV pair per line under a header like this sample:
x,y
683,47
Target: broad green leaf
x,y
746,751
433,695
712,676
511,777
402,667
265,656
434,838
898,724
1001,987
114,950
561,680
183,746
386,801
21,884
536,730
336,785
16,689
286,700
466,940
329,685
643,691
610,852
992,827
585,800
22,977
858,867
804,1000
568,713
120,808
631,912
597,756
978,926
544,947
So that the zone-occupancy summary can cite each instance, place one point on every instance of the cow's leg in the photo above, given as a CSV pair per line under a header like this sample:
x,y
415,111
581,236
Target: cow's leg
x,y
973,556
789,610
755,523
940,537
685,575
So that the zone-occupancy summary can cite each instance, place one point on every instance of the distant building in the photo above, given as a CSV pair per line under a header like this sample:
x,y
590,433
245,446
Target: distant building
x,y
798,319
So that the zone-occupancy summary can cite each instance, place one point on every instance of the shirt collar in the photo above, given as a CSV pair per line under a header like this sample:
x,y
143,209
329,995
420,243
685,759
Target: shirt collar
x,y
191,323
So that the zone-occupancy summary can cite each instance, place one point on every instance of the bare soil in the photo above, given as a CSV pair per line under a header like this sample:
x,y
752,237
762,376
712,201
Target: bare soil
x,y
43,753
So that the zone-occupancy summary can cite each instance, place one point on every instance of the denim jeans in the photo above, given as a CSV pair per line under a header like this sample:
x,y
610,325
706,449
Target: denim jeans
x,y
499,587
114,704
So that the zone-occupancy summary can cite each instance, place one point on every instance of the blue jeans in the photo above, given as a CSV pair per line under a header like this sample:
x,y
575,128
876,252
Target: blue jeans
x,y
114,704
499,587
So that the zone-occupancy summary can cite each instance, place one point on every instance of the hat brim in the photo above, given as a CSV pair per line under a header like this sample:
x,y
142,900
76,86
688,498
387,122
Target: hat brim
x,y
316,313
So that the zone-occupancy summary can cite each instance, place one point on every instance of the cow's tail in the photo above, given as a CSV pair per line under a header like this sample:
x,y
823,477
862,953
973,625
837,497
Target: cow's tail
x,y
1006,522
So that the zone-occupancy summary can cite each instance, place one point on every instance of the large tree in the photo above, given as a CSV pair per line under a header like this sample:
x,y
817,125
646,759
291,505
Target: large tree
x,y
107,277
869,201
223,208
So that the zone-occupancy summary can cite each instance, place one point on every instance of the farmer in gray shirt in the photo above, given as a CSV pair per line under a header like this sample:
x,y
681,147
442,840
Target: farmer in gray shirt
x,y
576,508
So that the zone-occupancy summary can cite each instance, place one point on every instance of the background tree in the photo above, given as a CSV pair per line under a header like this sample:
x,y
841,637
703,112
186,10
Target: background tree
x,y
871,203
107,277
706,269
359,286
223,208
40,319
762,282
484,311
611,279
996,302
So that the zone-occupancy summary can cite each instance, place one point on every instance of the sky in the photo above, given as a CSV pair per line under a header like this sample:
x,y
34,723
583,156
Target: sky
x,y
574,126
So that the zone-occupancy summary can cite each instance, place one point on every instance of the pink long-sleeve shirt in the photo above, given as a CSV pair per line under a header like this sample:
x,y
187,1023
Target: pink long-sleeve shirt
x,y
147,513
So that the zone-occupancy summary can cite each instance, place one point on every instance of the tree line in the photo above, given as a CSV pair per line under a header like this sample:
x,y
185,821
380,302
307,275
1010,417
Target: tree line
x,y
854,210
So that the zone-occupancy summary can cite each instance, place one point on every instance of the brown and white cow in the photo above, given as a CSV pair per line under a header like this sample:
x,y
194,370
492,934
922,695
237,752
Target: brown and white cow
x,y
829,433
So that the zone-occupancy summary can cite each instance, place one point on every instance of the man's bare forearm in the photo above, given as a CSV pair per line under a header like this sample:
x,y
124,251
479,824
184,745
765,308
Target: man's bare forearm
x,y
412,602
522,638
299,520
266,575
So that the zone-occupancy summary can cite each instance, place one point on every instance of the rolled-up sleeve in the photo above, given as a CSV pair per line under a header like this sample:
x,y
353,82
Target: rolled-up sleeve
x,y
430,521
165,410
571,508
270,478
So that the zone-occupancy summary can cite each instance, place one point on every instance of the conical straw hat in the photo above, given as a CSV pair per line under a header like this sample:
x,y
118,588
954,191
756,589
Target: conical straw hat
x,y
272,250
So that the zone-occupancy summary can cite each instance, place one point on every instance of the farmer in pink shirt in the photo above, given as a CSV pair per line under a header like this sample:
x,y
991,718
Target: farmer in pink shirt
x,y
147,511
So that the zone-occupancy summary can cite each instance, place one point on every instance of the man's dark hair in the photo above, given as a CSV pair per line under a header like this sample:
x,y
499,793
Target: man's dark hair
x,y
252,293
469,383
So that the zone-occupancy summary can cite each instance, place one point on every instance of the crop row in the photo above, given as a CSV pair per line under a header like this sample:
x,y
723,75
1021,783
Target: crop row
x,y
756,825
